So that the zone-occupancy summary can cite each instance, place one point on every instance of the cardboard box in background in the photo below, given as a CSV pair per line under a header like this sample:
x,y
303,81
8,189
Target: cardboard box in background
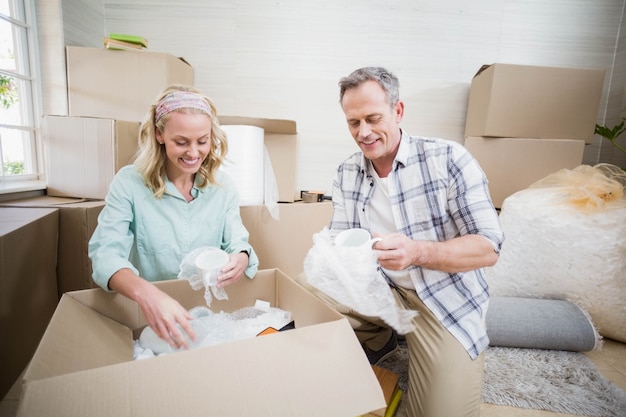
x,y
78,219
512,164
120,84
28,286
281,141
83,365
82,154
284,243
523,101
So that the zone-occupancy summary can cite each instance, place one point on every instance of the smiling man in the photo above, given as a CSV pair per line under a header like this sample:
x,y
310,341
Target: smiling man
x,y
428,200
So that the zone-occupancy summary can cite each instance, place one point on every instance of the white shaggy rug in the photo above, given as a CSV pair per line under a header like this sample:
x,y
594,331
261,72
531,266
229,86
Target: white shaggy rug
x,y
552,380
557,381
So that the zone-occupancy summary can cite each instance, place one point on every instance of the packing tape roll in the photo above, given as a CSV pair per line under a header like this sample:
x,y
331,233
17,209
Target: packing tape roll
x,y
312,197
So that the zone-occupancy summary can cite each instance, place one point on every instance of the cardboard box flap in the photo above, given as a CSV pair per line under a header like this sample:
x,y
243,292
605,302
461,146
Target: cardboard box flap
x,y
55,397
322,370
73,341
42,201
111,305
482,68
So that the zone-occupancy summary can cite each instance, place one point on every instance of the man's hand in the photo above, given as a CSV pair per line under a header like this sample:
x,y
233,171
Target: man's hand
x,y
464,253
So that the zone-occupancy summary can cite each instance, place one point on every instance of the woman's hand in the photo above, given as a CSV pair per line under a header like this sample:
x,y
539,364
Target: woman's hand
x,y
163,313
169,320
233,270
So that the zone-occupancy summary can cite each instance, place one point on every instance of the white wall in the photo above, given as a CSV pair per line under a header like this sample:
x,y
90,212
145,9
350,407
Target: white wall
x,y
283,58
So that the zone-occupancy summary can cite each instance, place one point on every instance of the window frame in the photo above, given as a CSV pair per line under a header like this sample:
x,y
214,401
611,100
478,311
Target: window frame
x,y
32,107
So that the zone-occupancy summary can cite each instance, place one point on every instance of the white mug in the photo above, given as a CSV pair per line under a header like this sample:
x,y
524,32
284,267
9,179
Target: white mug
x,y
210,263
356,238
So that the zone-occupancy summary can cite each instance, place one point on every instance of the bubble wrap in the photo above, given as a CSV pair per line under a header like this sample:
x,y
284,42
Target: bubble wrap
x,y
350,276
215,328
556,249
193,274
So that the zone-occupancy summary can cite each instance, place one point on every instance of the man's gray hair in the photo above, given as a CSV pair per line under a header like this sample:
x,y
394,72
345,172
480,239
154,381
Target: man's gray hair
x,y
388,82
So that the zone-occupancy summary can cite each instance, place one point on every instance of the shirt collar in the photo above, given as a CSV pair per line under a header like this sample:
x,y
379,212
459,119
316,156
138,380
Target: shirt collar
x,y
170,189
402,157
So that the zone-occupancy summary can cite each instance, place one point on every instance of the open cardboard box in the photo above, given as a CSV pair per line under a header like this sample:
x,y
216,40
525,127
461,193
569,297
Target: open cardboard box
x,y
84,364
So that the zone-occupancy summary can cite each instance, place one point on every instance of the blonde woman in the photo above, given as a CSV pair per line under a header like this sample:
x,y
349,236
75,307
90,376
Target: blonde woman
x,y
171,200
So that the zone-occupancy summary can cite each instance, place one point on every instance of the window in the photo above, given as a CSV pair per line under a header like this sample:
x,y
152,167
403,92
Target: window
x,y
20,149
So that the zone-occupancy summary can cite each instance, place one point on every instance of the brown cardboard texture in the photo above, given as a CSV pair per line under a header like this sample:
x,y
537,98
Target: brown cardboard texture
x,y
281,141
120,84
284,243
523,101
78,219
83,365
84,153
512,164
28,285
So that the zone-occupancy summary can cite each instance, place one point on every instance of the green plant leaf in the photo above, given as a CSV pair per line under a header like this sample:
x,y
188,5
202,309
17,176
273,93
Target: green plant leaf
x,y
610,133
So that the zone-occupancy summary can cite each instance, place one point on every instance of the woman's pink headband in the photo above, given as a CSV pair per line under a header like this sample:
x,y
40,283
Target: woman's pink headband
x,y
181,100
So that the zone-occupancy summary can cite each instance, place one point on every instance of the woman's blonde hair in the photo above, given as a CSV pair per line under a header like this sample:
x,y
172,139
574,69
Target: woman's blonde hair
x,y
150,157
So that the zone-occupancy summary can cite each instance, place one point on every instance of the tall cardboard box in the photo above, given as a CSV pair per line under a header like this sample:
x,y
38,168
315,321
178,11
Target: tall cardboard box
x,y
82,154
28,285
84,364
78,219
283,243
120,84
523,101
512,164
281,141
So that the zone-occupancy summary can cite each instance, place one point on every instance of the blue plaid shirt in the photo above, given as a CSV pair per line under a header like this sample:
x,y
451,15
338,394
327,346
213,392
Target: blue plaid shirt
x,y
438,192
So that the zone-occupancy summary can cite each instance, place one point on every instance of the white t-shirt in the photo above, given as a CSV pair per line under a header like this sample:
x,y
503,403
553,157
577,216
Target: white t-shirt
x,y
381,222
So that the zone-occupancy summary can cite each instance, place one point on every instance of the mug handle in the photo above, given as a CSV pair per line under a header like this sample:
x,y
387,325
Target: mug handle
x,y
373,241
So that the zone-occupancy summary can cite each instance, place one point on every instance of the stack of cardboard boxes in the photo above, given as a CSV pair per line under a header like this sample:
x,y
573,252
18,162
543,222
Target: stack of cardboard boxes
x,y
525,122
92,331
28,287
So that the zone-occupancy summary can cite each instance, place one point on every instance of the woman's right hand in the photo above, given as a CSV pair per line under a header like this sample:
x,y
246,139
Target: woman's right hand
x,y
163,313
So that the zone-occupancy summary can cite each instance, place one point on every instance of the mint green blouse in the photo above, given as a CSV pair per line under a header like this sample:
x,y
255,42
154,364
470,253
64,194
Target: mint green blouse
x,y
151,236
